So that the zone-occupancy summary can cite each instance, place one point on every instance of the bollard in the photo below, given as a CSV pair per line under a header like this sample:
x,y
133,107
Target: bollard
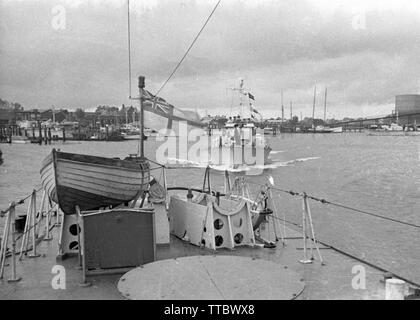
x,y
394,289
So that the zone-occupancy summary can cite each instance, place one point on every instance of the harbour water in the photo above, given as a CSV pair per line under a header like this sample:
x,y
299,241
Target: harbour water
x,y
378,174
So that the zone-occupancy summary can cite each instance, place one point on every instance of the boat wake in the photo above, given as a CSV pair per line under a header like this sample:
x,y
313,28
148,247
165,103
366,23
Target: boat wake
x,y
184,163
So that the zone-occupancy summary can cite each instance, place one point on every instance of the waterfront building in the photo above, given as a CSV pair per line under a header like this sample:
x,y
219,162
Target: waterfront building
x,y
405,106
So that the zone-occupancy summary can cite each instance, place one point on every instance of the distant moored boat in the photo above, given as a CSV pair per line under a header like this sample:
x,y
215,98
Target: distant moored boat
x,y
92,182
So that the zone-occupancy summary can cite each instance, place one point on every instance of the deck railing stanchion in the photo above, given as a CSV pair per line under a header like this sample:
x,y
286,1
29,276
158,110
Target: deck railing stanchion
x,y
49,210
33,254
12,213
24,242
305,259
4,242
81,245
308,211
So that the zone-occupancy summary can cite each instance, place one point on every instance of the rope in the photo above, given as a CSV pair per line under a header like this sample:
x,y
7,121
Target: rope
x,y
21,201
369,213
43,214
129,48
189,48
324,201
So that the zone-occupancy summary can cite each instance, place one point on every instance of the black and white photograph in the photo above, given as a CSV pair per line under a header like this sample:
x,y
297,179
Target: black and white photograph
x,y
209,155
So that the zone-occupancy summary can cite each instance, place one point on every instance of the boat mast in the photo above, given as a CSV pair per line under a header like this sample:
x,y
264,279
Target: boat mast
x,y
291,110
313,109
241,89
141,141
282,108
140,147
325,106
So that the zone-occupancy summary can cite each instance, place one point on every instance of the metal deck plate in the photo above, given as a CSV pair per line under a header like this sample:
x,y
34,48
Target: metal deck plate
x,y
211,278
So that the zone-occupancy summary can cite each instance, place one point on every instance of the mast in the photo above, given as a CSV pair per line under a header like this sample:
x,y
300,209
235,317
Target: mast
x,y
140,148
241,89
313,110
325,106
129,48
141,141
291,110
282,108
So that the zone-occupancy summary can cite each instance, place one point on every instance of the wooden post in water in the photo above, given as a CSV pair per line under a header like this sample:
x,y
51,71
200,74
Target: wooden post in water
x,y
64,134
40,133
45,135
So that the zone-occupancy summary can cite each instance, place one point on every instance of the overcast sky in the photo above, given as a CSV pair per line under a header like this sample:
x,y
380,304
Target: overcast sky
x,y
365,52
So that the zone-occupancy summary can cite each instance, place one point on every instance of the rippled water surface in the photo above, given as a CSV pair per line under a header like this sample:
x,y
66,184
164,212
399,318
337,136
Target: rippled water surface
x,y
379,174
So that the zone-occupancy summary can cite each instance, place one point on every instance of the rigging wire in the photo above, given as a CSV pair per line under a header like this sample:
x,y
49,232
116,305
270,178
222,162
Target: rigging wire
x,y
129,49
189,48
21,201
324,201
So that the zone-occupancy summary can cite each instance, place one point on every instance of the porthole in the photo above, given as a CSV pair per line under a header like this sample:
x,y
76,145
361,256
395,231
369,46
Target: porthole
x,y
218,240
73,229
238,238
218,224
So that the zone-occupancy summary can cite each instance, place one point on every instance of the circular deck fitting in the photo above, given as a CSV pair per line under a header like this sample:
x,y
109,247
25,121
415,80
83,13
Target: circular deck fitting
x,y
211,278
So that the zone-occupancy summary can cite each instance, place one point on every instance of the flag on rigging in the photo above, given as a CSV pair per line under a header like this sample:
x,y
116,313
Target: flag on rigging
x,y
164,109
254,110
251,96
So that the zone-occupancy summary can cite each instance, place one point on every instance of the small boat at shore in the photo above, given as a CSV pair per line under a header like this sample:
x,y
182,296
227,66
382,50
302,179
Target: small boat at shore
x,y
92,182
